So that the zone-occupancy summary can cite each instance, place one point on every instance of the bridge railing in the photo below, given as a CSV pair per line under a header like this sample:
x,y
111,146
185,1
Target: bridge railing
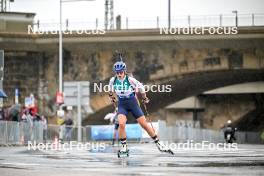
x,y
256,19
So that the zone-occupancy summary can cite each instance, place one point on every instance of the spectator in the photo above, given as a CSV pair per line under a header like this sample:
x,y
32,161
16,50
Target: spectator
x,y
27,125
68,122
37,117
14,112
33,110
45,128
61,122
27,118
2,114
113,121
6,113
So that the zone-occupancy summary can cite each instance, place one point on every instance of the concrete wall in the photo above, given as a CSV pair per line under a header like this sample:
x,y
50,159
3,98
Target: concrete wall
x,y
221,108
218,109
15,22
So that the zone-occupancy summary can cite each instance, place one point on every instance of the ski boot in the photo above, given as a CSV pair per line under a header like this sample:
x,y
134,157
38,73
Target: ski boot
x,y
123,151
163,148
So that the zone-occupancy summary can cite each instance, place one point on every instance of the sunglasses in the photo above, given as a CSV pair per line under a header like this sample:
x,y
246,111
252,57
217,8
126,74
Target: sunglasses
x,y
119,72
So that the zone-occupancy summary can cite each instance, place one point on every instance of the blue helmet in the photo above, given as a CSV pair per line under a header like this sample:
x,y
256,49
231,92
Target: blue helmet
x,y
119,66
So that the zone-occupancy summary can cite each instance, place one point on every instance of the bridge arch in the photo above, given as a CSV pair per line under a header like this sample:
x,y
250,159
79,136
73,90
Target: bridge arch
x,y
189,85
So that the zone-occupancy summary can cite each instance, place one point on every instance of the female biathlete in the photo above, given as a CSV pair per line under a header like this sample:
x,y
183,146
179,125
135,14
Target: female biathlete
x,y
124,87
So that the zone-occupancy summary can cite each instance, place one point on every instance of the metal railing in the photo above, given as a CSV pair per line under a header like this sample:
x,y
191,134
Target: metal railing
x,y
20,133
15,133
156,22
65,133
183,134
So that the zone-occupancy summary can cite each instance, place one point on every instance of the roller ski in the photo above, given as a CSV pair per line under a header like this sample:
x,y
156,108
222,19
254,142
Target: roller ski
x,y
163,148
123,152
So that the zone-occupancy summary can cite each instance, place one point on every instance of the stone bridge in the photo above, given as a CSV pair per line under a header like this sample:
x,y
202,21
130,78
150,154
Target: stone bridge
x,y
191,64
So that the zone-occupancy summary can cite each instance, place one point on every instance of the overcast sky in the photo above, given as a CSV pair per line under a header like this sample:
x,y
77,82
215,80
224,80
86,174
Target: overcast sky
x,y
48,10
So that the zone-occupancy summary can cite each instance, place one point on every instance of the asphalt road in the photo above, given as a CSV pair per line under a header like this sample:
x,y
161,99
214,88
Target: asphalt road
x,y
144,159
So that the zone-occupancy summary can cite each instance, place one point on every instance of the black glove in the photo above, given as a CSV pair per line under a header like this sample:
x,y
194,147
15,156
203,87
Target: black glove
x,y
146,100
112,97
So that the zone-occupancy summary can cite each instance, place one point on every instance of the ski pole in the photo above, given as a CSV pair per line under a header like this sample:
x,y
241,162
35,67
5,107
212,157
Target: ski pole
x,y
115,106
147,115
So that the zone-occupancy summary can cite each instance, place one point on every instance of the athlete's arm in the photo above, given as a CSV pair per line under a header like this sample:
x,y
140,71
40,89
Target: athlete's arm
x,y
111,90
139,88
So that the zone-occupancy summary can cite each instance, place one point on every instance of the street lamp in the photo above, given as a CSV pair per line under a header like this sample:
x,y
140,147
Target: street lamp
x,y
236,20
60,62
60,43
169,14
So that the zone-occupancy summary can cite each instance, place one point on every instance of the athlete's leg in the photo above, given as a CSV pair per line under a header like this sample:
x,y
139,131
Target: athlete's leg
x,y
139,115
122,132
122,113
143,123
122,126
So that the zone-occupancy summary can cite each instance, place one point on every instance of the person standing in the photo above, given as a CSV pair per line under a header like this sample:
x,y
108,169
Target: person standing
x,y
113,118
68,125
45,128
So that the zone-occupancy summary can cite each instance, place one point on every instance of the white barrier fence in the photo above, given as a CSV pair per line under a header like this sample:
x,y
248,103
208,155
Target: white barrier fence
x,y
17,133
183,134
65,133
